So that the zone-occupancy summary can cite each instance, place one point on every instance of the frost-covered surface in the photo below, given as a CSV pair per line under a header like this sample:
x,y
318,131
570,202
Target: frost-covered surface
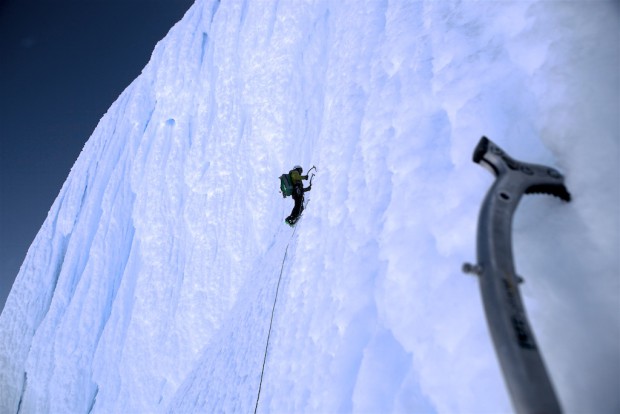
x,y
150,286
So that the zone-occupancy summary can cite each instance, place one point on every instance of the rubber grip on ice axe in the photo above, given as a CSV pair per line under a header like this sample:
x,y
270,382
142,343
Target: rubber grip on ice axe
x,y
522,365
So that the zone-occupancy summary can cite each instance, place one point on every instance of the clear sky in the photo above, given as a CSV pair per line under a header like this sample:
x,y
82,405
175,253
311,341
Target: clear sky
x,y
62,64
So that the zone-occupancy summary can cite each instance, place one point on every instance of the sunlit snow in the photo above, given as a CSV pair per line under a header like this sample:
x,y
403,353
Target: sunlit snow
x,y
151,285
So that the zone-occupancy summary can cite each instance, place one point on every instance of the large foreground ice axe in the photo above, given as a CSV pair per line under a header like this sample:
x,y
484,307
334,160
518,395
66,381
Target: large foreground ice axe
x,y
522,365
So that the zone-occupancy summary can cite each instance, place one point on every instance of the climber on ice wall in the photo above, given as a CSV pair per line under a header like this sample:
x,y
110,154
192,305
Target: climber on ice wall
x,y
292,184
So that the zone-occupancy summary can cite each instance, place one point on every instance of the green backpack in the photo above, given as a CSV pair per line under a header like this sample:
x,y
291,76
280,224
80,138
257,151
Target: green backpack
x,y
286,185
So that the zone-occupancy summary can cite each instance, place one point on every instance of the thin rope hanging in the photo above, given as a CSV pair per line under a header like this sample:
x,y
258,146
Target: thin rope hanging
x,y
273,309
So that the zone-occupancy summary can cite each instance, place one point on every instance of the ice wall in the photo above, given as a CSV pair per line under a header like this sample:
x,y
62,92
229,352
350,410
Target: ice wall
x,y
151,285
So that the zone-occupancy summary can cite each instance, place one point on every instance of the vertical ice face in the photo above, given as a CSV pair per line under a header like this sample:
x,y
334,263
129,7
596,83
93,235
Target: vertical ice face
x,y
151,285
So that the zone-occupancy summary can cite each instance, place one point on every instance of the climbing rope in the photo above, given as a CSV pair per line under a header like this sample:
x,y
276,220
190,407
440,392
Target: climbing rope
x,y
273,310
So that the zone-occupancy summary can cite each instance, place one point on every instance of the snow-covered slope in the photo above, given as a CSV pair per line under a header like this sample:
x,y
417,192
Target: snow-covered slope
x,y
151,285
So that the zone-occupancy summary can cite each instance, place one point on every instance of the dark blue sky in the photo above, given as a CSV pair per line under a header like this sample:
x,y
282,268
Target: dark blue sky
x,y
62,64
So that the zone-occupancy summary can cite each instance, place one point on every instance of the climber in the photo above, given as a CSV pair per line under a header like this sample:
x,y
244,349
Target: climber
x,y
297,192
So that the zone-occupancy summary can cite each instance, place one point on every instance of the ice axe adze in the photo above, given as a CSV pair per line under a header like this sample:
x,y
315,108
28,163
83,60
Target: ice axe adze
x,y
522,365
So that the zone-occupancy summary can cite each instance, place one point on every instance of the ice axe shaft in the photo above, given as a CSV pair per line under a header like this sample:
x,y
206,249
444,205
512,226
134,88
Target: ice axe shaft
x,y
522,365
